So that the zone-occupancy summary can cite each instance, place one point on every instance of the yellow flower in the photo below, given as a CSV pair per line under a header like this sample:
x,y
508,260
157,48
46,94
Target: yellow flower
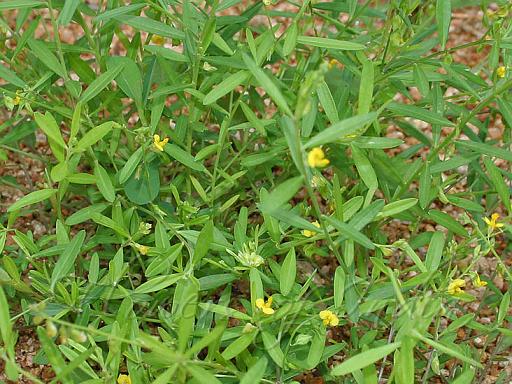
x,y
266,307
456,286
329,318
308,233
159,144
156,39
143,249
316,158
479,283
267,2
492,223
501,71
17,98
124,379
332,63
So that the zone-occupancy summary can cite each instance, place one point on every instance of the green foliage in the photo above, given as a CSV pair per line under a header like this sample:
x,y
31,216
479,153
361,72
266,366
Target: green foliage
x,y
190,237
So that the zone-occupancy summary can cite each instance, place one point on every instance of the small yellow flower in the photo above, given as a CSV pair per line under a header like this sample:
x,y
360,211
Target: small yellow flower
x,y
17,98
332,63
267,2
159,144
124,379
316,158
266,307
156,39
329,318
492,223
308,233
479,283
143,249
456,286
501,71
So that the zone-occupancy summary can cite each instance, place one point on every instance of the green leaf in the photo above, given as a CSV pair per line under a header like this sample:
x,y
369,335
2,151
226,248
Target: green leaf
x,y
290,40
364,359
366,142
503,309
183,157
404,361
396,207
366,88
104,183
226,86
158,283
51,129
130,165
187,297
114,12
273,348
239,345
445,349
210,338
327,102
221,44
18,4
486,149
425,187
82,178
448,222
226,311
288,273
94,135
418,113
339,286
256,372
267,84
143,186
454,162
316,350
84,214
67,259
365,169
443,18
281,194
253,119
100,83
10,76
152,26
204,240
67,11
341,130
465,377
202,375
109,223
32,198
499,183
166,53
5,320
130,77
322,42
435,251
43,53
50,350
348,231
75,122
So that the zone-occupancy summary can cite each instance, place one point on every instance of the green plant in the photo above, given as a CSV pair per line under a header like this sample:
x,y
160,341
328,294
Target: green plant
x,y
223,193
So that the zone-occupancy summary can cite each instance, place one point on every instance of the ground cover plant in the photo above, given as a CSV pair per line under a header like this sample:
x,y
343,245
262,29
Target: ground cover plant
x,y
245,192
